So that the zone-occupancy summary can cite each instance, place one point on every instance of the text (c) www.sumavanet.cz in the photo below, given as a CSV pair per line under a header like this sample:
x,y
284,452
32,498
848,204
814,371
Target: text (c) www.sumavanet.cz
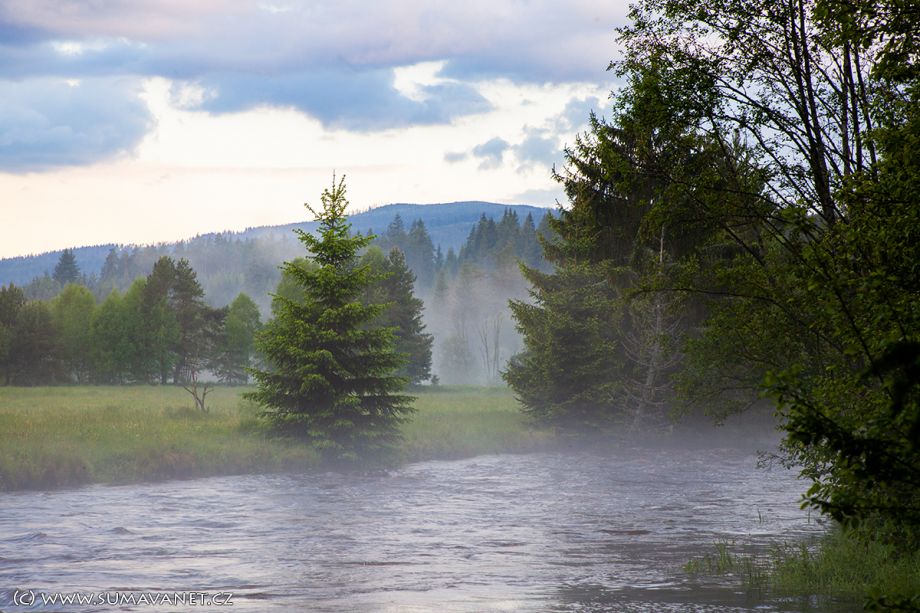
x,y
33,598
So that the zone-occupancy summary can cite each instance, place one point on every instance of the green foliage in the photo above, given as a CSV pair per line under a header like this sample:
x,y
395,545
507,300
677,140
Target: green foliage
x,y
402,312
33,352
12,300
330,374
568,374
289,288
859,565
236,346
602,336
72,312
198,323
499,245
111,349
180,330
160,325
817,301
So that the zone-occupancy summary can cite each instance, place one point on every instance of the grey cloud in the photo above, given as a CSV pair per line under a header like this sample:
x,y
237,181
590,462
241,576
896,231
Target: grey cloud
x,y
491,152
452,157
542,197
47,123
356,100
539,147
333,59
478,38
575,116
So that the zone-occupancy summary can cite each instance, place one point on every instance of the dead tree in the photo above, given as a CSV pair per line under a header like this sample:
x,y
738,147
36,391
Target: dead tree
x,y
490,346
198,391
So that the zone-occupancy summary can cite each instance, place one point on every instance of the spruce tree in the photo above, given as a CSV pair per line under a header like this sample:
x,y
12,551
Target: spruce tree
x,y
403,312
66,271
330,371
419,254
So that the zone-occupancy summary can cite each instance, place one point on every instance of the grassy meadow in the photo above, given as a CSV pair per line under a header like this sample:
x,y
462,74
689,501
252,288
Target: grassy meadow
x,y
61,436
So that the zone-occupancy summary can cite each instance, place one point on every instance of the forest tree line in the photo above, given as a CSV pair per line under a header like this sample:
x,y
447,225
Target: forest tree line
x,y
745,226
163,328
160,330
466,292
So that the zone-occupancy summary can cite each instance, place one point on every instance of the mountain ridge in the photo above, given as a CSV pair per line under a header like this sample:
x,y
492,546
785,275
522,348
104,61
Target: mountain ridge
x,y
448,225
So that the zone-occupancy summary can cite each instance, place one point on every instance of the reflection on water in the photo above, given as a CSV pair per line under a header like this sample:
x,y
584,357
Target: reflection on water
x,y
538,532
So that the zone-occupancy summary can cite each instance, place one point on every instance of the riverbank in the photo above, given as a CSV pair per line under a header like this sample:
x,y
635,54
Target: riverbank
x,y
840,569
66,436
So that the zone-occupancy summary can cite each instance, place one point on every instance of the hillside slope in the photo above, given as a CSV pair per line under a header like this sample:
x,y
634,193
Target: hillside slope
x,y
448,224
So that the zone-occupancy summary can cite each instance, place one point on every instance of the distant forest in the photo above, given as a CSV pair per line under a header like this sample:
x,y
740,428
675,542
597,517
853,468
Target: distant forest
x,y
465,290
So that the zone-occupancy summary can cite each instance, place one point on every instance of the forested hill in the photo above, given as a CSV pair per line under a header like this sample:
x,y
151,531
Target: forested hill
x,y
448,225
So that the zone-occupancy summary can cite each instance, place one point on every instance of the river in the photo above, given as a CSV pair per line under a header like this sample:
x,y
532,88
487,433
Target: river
x,y
579,531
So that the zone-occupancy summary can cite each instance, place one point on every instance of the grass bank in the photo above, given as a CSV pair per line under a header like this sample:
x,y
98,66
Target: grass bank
x,y
62,436
869,572
871,569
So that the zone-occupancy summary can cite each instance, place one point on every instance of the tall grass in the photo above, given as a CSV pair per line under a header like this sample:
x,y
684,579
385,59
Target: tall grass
x,y
860,565
56,436
862,569
750,569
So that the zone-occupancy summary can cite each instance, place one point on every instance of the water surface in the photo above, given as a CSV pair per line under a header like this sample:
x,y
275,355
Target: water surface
x,y
585,531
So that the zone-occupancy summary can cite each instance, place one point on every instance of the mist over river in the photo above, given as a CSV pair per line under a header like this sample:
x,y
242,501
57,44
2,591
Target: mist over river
x,y
578,531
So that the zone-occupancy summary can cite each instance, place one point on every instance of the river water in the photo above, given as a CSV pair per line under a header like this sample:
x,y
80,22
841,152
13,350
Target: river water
x,y
587,531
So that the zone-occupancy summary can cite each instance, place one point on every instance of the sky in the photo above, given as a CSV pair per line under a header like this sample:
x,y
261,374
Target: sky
x,y
140,121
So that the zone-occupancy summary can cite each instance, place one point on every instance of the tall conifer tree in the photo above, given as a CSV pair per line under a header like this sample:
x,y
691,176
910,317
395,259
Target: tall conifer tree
x,y
66,271
330,377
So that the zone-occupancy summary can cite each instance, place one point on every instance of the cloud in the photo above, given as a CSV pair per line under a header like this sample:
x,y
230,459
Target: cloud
x,y
19,34
335,60
539,41
575,116
46,123
64,58
355,100
491,152
539,147
542,197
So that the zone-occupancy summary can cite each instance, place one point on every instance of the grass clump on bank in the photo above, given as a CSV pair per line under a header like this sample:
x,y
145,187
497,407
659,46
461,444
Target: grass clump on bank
x,y
863,567
61,436
861,564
